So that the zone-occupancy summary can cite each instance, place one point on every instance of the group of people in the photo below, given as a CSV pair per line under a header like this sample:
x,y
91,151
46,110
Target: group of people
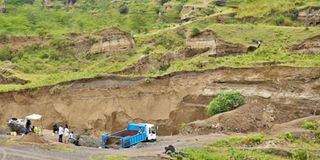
x,y
65,135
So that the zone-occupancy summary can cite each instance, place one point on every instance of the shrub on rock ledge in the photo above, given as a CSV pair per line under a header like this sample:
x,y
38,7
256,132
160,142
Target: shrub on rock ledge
x,y
224,102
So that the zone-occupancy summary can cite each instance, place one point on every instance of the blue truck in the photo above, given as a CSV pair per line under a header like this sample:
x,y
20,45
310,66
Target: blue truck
x,y
132,135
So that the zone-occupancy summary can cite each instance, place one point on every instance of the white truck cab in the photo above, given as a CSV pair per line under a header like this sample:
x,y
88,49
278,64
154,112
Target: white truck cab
x,y
151,132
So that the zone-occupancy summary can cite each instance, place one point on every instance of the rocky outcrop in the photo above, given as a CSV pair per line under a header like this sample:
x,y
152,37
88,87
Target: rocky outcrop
x,y
216,46
308,46
277,94
310,16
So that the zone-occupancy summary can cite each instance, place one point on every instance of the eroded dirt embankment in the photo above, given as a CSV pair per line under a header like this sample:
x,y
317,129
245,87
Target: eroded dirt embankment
x,y
109,103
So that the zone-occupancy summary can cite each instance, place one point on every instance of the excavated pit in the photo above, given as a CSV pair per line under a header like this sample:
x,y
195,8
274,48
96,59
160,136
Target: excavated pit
x,y
279,94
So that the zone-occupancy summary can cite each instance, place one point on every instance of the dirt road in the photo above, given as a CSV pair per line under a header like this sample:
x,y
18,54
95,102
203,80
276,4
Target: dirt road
x,y
149,150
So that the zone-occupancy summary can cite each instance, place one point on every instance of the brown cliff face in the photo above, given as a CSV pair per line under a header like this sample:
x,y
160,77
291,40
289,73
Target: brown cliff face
x,y
215,45
105,42
309,46
310,16
281,94
113,41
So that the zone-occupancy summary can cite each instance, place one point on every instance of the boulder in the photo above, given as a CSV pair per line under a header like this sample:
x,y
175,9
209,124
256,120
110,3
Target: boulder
x,y
89,141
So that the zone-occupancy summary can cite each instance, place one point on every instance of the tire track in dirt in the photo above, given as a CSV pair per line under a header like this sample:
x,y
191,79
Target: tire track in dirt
x,y
3,153
25,154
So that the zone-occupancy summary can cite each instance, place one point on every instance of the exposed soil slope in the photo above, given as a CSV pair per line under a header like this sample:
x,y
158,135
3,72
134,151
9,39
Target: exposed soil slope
x,y
308,46
109,103
310,16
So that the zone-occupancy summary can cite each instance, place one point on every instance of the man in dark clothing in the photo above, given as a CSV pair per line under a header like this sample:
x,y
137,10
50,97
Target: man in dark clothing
x,y
55,129
28,127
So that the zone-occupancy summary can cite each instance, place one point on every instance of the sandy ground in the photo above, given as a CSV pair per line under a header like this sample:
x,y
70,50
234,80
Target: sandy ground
x,y
149,150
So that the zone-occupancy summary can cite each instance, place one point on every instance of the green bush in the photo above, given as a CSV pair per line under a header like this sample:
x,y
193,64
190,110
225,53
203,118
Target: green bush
x,y
288,137
301,155
195,32
309,125
5,54
147,50
254,140
317,134
224,102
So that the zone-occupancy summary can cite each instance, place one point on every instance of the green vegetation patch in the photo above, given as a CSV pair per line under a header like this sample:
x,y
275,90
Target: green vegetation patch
x,y
156,34
253,147
310,125
225,101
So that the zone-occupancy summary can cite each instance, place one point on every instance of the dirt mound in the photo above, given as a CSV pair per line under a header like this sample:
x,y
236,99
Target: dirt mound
x,y
250,118
247,118
291,126
308,46
32,138
89,141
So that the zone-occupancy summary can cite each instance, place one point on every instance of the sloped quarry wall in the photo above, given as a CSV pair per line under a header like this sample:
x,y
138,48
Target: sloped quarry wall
x,y
109,103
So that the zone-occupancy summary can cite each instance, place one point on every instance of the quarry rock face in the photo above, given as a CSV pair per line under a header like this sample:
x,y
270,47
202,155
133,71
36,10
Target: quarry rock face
x,y
216,46
308,46
310,16
274,95
113,41
106,42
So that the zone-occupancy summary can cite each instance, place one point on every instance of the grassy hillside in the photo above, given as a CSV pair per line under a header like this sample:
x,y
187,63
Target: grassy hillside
x,y
272,21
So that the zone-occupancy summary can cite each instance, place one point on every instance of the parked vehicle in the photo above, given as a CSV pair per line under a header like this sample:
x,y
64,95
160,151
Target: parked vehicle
x,y
134,134
17,125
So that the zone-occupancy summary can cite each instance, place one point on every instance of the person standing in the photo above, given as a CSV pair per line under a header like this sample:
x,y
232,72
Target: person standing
x,y
28,127
55,129
66,134
60,132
